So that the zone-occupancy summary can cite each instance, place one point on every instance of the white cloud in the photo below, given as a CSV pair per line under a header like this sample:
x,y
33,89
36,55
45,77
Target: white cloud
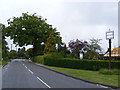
x,y
73,19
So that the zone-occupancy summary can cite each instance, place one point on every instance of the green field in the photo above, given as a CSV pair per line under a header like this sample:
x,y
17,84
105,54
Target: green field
x,y
88,75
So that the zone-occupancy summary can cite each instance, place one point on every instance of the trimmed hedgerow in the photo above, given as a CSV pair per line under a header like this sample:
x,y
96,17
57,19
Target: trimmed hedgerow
x,y
38,59
75,63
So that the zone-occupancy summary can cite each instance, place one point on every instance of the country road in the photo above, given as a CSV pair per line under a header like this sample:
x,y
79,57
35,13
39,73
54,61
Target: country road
x,y
28,75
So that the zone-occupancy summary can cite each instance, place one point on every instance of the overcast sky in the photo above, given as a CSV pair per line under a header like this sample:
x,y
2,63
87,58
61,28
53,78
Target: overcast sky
x,y
74,19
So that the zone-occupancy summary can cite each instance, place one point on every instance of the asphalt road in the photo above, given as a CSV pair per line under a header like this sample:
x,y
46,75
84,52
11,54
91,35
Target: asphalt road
x,y
28,75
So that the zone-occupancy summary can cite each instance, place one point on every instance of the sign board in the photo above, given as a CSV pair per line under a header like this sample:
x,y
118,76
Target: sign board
x,y
110,35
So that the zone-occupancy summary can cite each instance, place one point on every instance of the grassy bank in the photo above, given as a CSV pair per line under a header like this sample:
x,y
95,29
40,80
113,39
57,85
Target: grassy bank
x,y
89,75
5,60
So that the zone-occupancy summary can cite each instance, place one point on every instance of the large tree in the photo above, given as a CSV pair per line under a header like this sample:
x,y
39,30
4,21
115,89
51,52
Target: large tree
x,y
77,47
31,29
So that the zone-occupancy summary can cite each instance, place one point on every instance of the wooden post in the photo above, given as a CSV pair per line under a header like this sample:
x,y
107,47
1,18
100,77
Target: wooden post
x,y
109,54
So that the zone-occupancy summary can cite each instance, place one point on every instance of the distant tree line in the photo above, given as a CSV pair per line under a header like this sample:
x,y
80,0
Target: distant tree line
x,y
32,29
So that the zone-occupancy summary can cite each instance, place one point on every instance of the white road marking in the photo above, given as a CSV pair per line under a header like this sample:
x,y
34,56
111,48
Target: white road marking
x,y
38,77
43,82
25,67
102,86
30,71
6,68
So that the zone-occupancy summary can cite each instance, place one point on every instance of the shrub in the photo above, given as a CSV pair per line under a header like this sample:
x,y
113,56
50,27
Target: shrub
x,y
57,60
53,56
38,59
110,72
79,64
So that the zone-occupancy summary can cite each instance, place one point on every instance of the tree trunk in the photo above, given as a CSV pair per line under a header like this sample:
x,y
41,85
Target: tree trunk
x,y
34,50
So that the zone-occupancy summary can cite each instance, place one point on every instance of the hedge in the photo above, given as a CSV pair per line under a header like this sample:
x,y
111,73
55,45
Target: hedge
x,y
38,59
76,63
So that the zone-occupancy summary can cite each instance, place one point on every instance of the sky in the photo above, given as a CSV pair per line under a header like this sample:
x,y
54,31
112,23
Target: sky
x,y
74,19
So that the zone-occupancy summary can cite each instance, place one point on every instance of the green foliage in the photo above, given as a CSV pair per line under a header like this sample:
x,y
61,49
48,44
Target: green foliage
x,y
29,53
110,72
57,56
38,59
31,30
79,64
94,43
22,53
5,60
12,54
94,49
50,45
89,75
3,42
58,61
63,50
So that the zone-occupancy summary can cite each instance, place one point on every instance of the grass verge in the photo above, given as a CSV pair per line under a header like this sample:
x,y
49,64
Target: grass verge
x,y
26,59
88,75
0,63
5,60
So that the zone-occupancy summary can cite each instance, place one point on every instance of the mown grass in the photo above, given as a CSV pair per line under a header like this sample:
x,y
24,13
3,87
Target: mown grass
x,y
109,72
89,75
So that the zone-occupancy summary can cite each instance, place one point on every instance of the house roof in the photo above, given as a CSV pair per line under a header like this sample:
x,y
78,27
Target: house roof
x,y
114,52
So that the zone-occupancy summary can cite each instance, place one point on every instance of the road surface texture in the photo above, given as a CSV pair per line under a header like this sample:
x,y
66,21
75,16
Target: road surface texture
x,y
23,74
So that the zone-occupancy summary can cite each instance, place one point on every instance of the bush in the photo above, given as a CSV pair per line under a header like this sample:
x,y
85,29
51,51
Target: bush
x,y
110,72
38,59
58,61
79,64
